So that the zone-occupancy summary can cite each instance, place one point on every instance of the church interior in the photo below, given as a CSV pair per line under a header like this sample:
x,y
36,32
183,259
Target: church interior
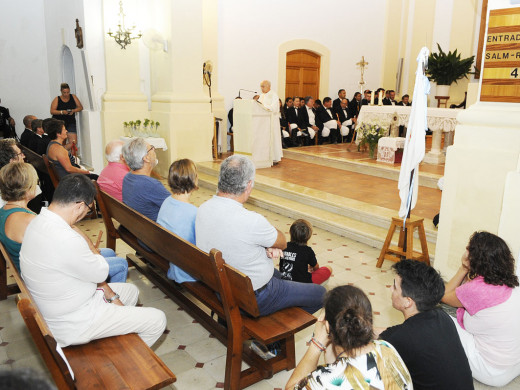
x,y
187,66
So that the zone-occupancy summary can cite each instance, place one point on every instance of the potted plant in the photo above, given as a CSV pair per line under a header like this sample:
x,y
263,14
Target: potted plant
x,y
446,68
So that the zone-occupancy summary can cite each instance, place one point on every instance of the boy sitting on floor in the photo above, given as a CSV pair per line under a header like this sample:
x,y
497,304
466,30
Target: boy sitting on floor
x,y
298,262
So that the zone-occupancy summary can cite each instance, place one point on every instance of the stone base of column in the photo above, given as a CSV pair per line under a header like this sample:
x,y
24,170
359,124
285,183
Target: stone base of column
x,y
187,128
434,157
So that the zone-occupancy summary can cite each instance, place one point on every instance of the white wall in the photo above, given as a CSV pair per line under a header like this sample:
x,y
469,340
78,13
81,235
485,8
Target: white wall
x,y
24,85
32,36
250,32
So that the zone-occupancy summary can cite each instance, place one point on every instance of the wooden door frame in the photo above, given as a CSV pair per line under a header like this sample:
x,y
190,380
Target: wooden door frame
x,y
309,45
301,67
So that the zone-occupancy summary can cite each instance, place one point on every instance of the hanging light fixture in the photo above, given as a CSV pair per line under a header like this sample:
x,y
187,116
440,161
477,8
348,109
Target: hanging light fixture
x,y
123,36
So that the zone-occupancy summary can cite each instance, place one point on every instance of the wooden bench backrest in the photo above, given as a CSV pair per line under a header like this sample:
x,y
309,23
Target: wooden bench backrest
x,y
39,330
34,159
188,257
52,172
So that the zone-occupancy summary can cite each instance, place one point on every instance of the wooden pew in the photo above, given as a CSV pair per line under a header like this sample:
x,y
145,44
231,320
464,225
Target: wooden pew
x,y
220,289
120,362
52,172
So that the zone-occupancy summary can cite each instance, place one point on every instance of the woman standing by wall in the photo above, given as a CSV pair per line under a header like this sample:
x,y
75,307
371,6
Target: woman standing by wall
x,y
64,107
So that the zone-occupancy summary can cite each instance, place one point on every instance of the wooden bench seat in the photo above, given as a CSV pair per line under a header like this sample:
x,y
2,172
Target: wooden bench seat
x,y
220,289
120,362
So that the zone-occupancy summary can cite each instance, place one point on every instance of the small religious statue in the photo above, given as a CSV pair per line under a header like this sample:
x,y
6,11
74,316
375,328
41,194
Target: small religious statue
x,y
394,126
362,64
78,32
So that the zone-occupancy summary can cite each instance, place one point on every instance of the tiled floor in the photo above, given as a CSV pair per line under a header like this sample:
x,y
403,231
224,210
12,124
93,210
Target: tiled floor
x,y
196,358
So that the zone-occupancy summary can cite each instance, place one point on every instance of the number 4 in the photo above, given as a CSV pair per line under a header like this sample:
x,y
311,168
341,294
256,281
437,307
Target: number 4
x,y
514,73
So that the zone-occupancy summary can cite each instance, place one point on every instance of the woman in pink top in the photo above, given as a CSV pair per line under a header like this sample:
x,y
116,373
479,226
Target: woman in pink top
x,y
485,291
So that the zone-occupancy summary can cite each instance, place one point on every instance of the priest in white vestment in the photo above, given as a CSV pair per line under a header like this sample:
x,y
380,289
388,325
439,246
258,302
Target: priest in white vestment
x,y
269,99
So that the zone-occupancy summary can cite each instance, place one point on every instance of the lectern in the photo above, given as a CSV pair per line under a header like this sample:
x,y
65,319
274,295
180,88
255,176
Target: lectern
x,y
252,132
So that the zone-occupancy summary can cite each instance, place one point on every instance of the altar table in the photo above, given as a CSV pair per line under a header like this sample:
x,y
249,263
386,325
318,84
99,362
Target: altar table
x,y
439,120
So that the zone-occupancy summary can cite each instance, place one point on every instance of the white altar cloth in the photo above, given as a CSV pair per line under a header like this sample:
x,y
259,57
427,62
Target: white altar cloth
x,y
393,143
444,119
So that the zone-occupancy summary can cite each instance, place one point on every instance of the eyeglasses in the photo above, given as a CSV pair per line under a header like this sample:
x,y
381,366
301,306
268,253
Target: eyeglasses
x,y
90,209
151,148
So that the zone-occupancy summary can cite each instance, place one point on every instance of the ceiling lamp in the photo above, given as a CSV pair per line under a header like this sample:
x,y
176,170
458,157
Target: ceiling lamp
x,y
123,36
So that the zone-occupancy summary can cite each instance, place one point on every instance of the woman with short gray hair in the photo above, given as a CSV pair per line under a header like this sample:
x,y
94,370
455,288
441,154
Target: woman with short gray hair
x,y
140,191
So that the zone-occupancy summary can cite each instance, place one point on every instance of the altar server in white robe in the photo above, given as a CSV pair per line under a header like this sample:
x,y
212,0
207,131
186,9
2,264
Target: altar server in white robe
x,y
270,100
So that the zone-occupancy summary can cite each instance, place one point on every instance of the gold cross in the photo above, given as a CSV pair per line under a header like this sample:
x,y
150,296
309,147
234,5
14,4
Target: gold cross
x,y
362,63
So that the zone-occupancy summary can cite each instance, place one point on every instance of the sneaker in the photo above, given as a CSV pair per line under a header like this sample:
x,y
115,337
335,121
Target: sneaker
x,y
265,352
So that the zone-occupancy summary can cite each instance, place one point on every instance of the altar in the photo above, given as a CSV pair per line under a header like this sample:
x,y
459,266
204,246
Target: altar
x,y
440,120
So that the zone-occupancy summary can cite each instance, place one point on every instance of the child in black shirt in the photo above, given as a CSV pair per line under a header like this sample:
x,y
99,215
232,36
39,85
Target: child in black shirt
x,y
298,262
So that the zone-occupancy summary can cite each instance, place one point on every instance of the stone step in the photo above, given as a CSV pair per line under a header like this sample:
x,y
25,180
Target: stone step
x,y
351,208
365,166
332,221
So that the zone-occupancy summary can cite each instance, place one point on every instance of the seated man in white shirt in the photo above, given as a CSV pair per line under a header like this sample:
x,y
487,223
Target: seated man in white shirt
x,y
66,275
249,242
329,119
307,120
345,118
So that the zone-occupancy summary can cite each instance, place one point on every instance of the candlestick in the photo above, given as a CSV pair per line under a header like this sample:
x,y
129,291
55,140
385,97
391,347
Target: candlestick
x,y
372,98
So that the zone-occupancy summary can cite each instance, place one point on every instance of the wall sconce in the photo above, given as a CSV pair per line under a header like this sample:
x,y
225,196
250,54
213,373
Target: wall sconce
x,y
123,36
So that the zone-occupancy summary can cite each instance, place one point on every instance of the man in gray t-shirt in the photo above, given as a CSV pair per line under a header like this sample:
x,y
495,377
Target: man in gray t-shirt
x,y
249,242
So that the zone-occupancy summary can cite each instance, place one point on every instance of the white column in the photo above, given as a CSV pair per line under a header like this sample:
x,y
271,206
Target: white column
x,y
485,152
178,100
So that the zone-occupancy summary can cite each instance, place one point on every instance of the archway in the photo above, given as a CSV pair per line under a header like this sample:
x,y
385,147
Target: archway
x,y
67,69
313,47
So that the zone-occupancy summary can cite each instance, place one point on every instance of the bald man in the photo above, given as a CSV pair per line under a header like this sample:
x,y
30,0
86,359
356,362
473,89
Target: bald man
x,y
271,102
27,134
111,177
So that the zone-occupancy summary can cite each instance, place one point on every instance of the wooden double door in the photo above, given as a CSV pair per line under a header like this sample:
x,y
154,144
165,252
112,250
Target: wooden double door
x,y
302,74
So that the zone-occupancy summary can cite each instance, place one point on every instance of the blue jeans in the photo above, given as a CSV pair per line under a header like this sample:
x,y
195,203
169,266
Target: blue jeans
x,y
117,266
279,294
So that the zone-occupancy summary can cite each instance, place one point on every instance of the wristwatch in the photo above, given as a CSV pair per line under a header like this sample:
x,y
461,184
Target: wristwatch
x,y
110,300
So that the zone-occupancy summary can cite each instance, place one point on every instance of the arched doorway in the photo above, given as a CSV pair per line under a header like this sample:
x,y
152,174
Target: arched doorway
x,y
67,69
302,76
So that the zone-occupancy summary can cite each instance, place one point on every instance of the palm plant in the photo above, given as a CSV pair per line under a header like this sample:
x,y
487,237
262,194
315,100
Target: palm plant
x,y
446,68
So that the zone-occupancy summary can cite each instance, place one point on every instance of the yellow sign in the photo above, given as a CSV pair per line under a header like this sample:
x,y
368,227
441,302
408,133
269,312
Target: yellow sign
x,y
500,75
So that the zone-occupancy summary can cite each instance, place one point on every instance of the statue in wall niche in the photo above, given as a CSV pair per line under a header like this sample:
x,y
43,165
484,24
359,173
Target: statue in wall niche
x,y
78,32
394,126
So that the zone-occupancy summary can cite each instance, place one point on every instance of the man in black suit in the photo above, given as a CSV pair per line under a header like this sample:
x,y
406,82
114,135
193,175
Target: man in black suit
x,y
308,121
288,104
293,118
405,101
330,121
39,140
336,104
355,105
389,100
346,119
366,99
27,133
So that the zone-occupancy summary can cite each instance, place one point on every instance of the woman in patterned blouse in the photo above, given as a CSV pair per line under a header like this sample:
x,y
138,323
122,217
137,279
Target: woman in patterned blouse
x,y
353,359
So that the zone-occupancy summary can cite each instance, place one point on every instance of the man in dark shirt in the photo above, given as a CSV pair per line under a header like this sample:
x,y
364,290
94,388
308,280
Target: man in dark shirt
x,y
6,123
427,340
27,134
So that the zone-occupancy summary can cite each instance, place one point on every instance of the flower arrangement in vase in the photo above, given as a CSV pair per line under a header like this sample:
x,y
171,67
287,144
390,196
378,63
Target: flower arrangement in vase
x,y
370,134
